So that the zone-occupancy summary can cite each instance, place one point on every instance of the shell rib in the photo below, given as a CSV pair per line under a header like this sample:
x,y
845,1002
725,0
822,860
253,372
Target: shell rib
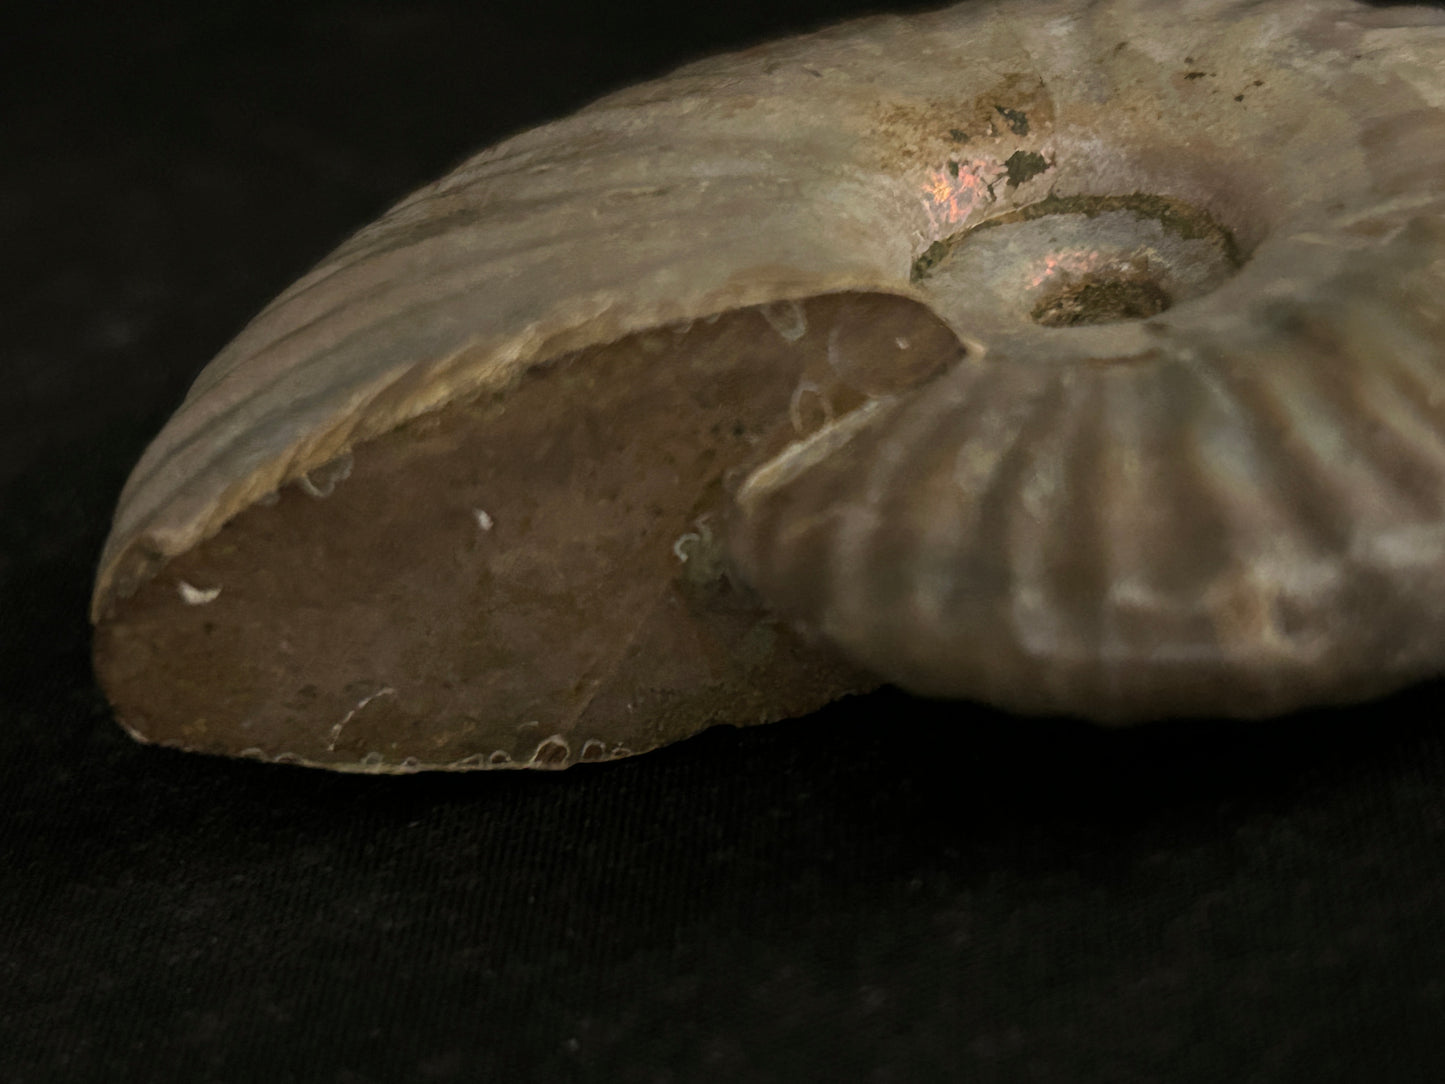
x,y
1225,495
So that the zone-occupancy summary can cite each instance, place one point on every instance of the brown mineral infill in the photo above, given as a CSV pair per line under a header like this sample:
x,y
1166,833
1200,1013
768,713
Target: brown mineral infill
x,y
528,579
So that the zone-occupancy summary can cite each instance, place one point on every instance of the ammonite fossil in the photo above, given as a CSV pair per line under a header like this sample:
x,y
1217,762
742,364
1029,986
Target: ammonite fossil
x,y
1081,357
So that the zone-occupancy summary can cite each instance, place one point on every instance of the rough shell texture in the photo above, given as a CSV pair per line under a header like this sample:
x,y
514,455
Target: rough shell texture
x,y
1226,499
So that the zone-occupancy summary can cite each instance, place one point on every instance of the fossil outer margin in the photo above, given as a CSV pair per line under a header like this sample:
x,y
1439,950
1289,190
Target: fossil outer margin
x,y
1235,506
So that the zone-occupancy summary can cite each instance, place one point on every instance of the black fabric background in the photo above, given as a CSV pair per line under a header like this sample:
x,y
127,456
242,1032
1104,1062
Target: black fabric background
x,y
887,891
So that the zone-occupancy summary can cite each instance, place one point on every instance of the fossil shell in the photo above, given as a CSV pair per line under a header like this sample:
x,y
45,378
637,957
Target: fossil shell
x,y
1078,357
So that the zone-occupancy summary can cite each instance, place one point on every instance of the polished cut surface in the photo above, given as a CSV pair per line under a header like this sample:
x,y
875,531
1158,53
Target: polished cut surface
x,y
1076,357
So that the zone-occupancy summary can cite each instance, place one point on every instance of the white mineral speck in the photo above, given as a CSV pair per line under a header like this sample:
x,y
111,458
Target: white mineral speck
x,y
197,596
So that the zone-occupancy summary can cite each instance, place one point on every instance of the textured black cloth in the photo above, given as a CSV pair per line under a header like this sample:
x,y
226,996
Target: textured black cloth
x,y
887,891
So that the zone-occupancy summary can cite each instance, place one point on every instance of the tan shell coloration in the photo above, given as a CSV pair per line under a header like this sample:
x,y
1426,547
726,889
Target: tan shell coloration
x,y
1221,492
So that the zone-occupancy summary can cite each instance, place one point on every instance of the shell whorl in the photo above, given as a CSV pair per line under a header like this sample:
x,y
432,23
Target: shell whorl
x,y
1232,506
1245,519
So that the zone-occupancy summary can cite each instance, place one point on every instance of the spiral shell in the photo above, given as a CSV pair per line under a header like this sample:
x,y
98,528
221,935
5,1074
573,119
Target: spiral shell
x,y
1077,357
